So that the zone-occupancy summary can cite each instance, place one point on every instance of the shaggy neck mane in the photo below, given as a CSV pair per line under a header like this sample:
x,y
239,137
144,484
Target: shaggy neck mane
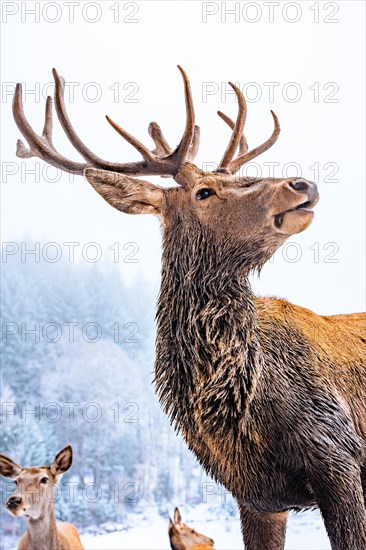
x,y
206,331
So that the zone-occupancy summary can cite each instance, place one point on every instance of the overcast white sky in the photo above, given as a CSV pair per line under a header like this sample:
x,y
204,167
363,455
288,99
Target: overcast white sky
x,y
121,58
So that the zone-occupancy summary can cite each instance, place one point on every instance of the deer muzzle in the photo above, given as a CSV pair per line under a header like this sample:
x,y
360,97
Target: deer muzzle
x,y
13,503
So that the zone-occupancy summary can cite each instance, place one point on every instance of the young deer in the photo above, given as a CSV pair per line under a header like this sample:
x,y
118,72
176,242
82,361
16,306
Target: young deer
x,y
34,497
183,537
271,397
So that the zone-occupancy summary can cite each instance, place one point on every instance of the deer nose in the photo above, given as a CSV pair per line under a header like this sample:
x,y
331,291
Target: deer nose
x,y
13,502
300,185
307,187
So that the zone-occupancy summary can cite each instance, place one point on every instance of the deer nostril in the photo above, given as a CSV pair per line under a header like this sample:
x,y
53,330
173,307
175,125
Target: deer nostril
x,y
300,185
13,502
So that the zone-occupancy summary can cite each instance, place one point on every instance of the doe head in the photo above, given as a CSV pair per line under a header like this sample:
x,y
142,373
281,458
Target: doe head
x,y
35,487
183,537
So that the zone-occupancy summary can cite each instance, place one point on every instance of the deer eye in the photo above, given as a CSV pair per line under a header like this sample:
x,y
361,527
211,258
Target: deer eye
x,y
278,220
202,194
44,480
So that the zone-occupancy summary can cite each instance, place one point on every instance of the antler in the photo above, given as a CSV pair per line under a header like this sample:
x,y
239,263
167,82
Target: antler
x,y
243,144
238,138
161,161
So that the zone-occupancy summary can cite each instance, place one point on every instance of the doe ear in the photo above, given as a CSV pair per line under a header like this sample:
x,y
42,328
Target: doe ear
x,y
127,194
9,468
62,461
177,516
171,525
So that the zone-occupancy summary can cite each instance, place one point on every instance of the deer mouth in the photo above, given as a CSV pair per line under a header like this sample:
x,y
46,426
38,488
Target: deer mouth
x,y
13,511
301,209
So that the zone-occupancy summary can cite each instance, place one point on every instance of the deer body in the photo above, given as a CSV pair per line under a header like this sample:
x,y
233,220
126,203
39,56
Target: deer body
x,y
258,386
230,404
269,396
34,498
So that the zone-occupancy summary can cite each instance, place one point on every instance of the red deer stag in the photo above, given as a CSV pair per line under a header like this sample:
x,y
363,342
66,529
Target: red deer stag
x,y
34,497
183,537
271,397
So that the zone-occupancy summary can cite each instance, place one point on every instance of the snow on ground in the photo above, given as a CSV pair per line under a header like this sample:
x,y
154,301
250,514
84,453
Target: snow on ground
x,y
305,532
149,531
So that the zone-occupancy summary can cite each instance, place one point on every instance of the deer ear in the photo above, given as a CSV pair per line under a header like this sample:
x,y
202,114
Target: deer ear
x,y
127,194
62,461
172,530
9,468
177,517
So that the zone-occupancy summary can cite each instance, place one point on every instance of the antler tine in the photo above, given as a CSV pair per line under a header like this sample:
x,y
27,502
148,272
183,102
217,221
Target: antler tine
x,y
40,146
48,123
243,144
236,164
181,152
144,151
65,121
24,152
194,145
162,146
237,131
74,138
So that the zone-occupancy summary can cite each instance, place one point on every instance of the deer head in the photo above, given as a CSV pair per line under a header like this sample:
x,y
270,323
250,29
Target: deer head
x,y
252,213
183,537
35,487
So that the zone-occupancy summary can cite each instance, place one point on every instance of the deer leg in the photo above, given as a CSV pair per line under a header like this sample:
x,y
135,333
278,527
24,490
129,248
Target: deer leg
x,y
341,501
263,530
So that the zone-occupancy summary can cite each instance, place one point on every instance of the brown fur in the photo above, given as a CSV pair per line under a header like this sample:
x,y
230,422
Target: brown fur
x,y
269,396
34,500
182,537
67,535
